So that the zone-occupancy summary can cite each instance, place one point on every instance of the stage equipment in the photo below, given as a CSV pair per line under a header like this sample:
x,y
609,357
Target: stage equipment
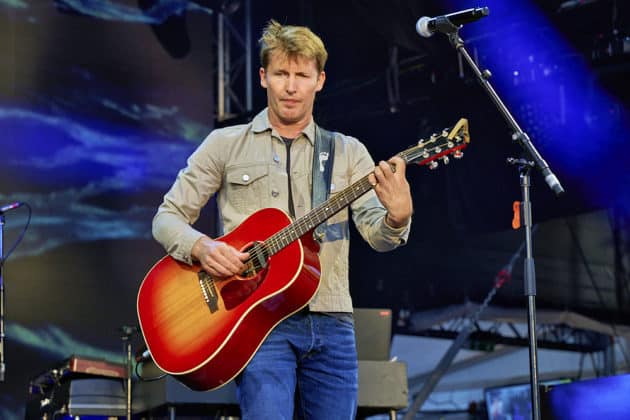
x,y
3,210
373,333
533,160
601,398
78,386
382,389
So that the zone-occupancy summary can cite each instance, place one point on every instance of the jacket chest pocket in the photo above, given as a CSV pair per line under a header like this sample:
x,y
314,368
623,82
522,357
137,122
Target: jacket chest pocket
x,y
248,187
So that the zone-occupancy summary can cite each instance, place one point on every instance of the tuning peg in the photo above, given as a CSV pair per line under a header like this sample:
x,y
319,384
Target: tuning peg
x,y
458,154
446,160
433,165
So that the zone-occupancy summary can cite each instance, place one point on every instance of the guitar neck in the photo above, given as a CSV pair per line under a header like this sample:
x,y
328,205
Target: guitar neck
x,y
425,152
317,216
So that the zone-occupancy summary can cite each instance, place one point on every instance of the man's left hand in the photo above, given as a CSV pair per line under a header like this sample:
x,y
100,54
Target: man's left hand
x,y
392,189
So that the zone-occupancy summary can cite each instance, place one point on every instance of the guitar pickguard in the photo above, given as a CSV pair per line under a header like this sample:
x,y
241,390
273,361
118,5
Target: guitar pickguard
x,y
234,292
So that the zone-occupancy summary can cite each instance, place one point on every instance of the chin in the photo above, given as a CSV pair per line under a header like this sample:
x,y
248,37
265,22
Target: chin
x,y
291,117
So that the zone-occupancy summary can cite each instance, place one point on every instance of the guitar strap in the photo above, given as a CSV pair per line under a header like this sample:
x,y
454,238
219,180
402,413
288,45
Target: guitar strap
x,y
323,160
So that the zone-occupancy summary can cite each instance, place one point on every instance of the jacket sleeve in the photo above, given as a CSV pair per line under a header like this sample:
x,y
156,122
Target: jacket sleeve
x,y
368,213
182,204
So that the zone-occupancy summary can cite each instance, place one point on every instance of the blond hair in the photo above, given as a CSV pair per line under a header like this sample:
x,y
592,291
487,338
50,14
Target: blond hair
x,y
293,41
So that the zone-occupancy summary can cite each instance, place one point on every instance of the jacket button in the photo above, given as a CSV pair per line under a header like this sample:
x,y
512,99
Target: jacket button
x,y
245,178
275,193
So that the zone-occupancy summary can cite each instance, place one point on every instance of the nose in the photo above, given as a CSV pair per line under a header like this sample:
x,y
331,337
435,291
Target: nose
x,y
291,85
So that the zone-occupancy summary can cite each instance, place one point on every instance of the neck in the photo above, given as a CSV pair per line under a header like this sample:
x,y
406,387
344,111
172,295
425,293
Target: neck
x,y
289,130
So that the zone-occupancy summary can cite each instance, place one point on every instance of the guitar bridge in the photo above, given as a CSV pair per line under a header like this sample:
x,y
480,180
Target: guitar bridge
x,y
209,291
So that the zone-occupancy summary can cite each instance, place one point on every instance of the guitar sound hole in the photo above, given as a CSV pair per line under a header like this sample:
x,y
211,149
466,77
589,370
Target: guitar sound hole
x,y
234,292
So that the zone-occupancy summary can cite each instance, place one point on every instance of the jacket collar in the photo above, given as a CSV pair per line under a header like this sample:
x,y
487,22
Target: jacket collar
x,y
260,123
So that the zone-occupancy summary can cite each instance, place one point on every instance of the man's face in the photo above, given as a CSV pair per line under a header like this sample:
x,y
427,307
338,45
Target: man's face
x,y
291,84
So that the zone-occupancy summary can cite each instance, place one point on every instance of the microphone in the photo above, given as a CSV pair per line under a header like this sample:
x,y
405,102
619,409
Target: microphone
x,y
427,26
11,206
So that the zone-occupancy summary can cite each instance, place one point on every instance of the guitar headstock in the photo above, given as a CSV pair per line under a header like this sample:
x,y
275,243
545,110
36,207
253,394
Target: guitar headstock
x,y
439,146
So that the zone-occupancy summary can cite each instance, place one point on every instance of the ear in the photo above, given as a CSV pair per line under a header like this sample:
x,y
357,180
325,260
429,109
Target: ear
x,y
263,77
320,81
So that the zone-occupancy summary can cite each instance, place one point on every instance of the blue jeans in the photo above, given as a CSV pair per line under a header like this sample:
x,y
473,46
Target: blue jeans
x,y
307,366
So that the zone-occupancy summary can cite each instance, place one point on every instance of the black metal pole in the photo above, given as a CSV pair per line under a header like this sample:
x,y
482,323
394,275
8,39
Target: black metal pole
x,y
519,135
538,162
127,333
529,281
128,348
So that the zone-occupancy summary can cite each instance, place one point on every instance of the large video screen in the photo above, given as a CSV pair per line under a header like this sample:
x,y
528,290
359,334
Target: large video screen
x,y
512,402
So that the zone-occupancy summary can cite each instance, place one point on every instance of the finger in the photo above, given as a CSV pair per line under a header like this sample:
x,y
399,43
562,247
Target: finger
x,y
213,269
229,260
236,257
399,163
218,269
372,180
378,173
386,168
242,256
217,263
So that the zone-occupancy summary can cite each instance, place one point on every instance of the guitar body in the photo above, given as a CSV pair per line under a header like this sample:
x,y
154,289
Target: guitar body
x,y
205,345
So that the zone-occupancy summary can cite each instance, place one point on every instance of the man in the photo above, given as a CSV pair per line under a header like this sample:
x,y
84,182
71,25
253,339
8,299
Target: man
x,y
310,357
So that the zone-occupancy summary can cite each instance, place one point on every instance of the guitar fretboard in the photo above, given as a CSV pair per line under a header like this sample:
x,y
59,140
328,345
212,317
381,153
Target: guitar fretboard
x,y
316,216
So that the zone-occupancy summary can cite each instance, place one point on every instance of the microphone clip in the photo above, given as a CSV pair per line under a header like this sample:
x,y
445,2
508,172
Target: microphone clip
x,y
445,26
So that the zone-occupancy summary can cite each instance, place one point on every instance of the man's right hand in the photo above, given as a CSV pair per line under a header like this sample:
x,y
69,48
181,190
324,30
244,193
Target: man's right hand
x,y
218,258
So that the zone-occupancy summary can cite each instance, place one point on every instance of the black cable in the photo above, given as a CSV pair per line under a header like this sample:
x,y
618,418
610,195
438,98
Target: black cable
x,y
3,258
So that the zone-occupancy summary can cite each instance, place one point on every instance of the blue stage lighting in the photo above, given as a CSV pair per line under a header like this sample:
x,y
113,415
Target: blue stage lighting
x,y
556,96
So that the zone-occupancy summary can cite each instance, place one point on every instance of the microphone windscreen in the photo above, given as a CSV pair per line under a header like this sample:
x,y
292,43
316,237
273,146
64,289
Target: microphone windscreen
x,y
422,27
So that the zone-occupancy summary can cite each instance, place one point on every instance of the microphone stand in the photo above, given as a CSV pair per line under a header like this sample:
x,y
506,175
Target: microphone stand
x,y
127,333
452,31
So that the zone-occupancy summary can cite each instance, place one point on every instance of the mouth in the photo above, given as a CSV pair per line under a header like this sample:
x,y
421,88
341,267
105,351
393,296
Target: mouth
x,y
290,101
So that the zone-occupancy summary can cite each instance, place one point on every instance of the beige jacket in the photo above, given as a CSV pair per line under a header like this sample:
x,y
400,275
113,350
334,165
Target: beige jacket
x,y
246,166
